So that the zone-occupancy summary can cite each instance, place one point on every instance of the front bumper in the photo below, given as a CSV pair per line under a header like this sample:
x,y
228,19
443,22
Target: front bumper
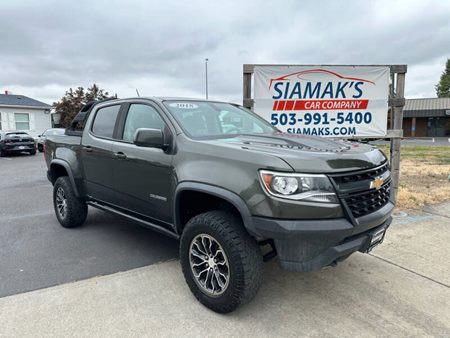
x,y
307,245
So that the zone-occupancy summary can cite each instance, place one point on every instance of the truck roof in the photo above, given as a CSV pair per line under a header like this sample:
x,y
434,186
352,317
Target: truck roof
x,y
162,98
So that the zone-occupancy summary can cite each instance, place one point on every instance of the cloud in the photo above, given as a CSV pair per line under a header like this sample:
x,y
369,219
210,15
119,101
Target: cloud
x,y
159,47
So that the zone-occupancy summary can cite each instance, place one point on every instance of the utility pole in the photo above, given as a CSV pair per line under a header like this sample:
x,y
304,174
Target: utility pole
x,y
206,77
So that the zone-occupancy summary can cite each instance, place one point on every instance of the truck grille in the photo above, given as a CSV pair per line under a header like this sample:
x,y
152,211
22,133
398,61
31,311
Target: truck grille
x,y
353,189
363,203
369,175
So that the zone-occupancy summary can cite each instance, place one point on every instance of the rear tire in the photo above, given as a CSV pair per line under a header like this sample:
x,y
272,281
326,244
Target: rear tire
x,y
70,210
239,268
40,148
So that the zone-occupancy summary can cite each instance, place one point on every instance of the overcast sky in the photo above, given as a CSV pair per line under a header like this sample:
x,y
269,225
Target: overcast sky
x,y
159,47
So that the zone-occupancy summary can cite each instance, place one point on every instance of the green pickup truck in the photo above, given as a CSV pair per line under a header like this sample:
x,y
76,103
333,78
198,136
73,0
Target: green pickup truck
x,y
226,183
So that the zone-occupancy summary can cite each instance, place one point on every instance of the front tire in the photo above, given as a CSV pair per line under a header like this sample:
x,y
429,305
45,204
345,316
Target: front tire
x,y
40,148
70,210
221,263
33,152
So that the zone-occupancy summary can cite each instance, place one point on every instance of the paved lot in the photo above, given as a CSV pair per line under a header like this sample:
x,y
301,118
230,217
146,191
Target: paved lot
x,y
36,252
402,289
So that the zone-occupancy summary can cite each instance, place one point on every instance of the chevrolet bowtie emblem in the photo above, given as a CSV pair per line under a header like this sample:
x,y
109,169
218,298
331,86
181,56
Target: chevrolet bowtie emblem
x,y
376,183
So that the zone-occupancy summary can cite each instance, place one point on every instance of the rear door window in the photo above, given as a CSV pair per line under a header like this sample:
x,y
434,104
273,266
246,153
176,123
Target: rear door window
x,y
105,120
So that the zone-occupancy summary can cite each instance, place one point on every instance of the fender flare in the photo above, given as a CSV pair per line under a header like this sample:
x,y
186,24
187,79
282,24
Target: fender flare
x,y
65,165
226,195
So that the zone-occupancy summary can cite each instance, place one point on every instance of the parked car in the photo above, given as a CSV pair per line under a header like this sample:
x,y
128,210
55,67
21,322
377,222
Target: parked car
x,y
224,182
16,142
49,132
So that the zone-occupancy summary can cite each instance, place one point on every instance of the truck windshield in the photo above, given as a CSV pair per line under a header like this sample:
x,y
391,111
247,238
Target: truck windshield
x,y
202,119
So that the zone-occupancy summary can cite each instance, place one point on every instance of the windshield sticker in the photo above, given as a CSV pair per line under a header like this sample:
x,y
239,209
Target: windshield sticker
x,y
183,105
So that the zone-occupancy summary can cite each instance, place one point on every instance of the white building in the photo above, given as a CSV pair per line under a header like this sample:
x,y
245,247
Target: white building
x,y
18,112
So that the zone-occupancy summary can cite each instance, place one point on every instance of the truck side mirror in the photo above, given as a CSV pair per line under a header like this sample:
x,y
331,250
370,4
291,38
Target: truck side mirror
x,y
147,137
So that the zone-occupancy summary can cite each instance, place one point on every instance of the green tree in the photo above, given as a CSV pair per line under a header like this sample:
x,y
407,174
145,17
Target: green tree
x,y
72,102
443,87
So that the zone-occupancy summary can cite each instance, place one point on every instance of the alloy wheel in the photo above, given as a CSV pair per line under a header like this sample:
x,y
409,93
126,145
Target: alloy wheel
x,y
61,202
209,265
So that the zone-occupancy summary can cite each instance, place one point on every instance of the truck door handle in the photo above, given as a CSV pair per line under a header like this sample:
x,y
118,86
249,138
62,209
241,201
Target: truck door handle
x,y
120,155
88,148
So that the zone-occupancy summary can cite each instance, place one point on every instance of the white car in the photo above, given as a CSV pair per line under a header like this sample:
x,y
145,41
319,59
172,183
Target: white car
x,y
49,132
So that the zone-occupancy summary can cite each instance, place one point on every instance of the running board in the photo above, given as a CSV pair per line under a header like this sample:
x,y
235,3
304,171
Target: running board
x,y
135,219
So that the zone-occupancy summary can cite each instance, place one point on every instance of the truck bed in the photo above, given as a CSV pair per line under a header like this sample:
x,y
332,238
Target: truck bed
x,y
65,143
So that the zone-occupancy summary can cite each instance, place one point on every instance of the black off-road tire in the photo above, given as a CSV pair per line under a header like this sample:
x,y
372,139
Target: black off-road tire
x,y
76,208
33,152
40,148
243,254
2,153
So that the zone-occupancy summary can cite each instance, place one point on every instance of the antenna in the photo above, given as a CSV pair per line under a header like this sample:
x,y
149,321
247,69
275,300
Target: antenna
x,y
137,92
206,77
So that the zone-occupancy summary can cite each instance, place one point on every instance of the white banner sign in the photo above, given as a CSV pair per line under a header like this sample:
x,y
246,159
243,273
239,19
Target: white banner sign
x,y
330,101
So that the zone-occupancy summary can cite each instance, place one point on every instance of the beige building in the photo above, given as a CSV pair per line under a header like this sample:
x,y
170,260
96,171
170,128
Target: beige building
x,y
426,117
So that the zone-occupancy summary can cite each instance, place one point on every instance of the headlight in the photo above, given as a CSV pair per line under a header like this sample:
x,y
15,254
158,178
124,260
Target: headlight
x,y
305,187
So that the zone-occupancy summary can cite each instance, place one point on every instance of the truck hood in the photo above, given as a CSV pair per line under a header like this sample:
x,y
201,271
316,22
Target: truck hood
x,y
309,154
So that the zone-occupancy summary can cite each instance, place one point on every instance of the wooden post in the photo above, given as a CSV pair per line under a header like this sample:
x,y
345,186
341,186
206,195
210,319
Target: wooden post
x,y
397,125
247,101
413,127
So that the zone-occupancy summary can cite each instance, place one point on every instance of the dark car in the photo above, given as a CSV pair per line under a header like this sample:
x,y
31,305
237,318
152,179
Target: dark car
x,y
49,132
225,183
16,142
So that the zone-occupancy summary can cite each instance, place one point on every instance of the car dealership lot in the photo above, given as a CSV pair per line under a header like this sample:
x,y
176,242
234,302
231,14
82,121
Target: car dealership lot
x,y
401,289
